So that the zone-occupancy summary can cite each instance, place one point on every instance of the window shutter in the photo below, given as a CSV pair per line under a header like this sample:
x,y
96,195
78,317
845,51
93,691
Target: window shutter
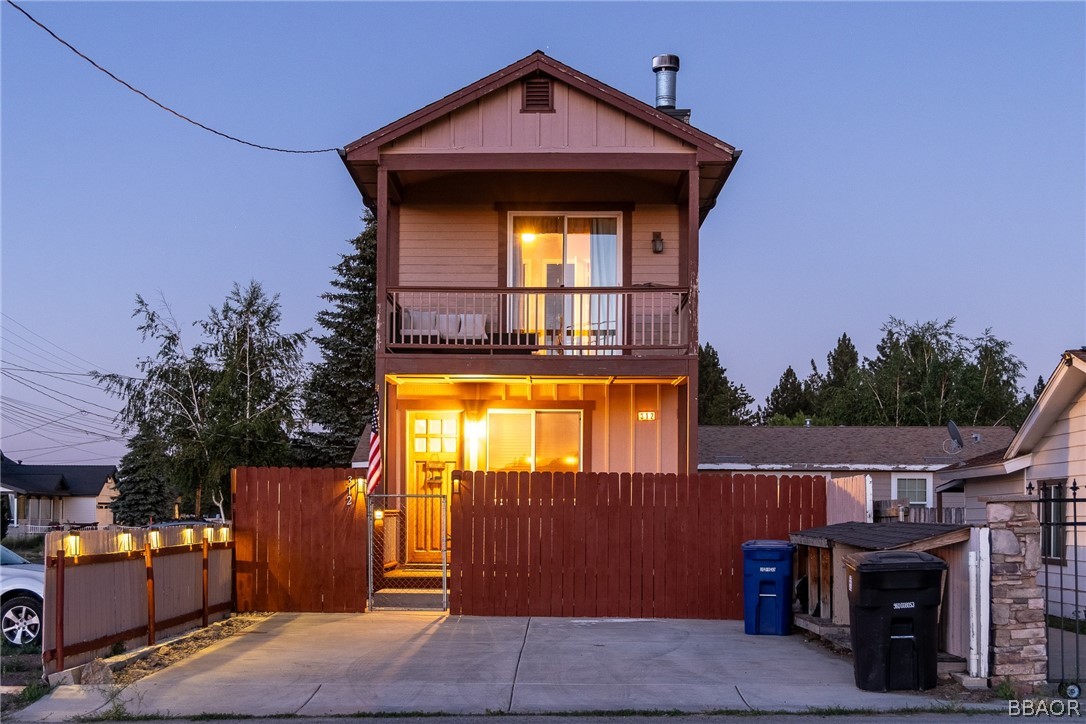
x,y
538,95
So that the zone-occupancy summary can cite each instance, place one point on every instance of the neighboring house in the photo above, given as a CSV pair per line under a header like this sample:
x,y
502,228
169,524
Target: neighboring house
x,y
47,495
537,281
1046,458
901,461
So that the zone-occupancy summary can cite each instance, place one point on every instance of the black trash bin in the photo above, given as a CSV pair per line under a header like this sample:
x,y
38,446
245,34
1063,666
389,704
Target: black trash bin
x,y
767,587
893,601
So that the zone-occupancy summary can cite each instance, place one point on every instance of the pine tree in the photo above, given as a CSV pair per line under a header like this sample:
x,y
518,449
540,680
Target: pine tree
x,y
341,391
720,402
788,400
144,492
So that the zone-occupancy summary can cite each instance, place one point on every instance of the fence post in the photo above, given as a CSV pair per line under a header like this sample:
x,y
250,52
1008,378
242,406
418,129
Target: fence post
x,y
59,612
150,593
206,546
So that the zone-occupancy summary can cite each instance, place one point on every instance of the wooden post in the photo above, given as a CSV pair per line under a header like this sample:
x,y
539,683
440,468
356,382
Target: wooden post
x,y
206,546
150,594
59,612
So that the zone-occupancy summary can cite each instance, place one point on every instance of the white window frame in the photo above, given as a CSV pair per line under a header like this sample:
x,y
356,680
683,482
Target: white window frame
x,y
928,477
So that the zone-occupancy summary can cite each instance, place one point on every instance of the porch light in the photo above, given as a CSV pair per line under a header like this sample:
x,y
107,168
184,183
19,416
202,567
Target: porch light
x,y
657,242
378,515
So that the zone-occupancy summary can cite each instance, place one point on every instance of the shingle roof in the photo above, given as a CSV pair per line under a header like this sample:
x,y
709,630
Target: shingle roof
x,y
879,536
59,480
841,448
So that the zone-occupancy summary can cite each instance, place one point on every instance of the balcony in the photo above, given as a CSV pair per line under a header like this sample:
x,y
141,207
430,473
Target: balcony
x,y
539,321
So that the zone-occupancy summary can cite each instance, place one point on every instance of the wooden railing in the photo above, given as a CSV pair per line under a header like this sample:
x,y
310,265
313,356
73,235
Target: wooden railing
x,y
543,320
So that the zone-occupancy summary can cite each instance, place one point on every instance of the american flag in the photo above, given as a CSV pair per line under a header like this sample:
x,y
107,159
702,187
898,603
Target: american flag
x,y
373,477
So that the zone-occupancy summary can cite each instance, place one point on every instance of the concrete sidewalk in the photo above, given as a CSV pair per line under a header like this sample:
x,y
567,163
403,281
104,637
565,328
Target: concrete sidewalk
x,y
341,664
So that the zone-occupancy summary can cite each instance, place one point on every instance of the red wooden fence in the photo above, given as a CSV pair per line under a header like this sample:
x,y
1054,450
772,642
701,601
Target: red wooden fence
x,y
300,540
643,546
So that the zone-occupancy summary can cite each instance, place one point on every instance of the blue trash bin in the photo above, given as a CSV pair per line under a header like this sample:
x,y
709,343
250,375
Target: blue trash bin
x,y
767,587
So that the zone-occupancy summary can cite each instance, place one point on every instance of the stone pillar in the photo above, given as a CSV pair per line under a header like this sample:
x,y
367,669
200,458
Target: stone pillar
x,y
1019,631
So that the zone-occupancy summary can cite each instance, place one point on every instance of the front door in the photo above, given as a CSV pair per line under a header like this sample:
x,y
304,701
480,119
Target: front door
x,y
434,451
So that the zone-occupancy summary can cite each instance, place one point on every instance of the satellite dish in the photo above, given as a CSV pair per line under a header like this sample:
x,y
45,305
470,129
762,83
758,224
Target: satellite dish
x,y
955,443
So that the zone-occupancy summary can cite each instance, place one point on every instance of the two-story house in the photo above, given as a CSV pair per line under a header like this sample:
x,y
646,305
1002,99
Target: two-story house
x,y
538,277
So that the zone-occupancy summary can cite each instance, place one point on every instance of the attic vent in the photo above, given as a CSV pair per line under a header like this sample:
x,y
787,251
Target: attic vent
x,y
538,96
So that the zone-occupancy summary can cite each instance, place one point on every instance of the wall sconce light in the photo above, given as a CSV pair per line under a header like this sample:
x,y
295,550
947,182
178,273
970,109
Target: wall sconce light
x,y
71,544
378,515
456,477
657,242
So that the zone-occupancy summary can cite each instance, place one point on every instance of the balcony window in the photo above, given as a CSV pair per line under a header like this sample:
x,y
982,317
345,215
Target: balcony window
x,y
572,252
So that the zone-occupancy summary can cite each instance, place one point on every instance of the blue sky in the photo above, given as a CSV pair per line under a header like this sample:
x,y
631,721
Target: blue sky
x,y
919,160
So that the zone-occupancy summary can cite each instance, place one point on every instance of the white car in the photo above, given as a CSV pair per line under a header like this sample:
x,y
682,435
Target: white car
x,y
23,585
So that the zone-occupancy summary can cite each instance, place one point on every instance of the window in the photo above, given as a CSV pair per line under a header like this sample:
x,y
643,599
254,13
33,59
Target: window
x,y
556,250
1053,515
567,251
534,440
915,489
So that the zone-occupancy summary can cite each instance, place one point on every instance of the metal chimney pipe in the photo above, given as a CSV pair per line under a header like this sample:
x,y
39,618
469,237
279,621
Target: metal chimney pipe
x,y
666,68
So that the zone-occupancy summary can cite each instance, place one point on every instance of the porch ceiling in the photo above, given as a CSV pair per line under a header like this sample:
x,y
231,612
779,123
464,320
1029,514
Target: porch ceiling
x,y
398,379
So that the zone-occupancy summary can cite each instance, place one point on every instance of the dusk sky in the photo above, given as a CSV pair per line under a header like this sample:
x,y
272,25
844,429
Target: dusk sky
x,y
916,160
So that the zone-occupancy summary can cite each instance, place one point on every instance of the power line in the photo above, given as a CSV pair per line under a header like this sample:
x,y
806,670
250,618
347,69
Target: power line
x,y
164,107
46,340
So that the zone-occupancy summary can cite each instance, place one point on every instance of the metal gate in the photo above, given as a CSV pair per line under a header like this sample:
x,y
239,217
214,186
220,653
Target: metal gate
x,y
1061,585
409,552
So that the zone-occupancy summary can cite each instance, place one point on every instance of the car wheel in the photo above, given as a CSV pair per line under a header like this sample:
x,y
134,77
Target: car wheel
x,y
21,621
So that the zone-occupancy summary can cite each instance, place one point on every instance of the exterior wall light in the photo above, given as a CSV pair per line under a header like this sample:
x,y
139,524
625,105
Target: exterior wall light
x,y
657,242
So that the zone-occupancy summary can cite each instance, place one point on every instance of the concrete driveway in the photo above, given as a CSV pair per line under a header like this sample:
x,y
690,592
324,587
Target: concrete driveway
x,y
341,664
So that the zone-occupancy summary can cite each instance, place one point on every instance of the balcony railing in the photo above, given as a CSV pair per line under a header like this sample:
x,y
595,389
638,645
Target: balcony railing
x,y
569,321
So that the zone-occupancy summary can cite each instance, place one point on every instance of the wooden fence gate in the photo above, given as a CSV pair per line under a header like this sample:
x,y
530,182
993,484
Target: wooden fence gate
x,y
300,539
609,544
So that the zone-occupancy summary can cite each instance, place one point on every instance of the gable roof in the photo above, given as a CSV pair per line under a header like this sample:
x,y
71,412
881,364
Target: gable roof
x,y
711,151
55,480
839,448
1065,384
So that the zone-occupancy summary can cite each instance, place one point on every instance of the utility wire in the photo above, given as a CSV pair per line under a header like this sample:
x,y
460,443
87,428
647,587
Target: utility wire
x,y
166,108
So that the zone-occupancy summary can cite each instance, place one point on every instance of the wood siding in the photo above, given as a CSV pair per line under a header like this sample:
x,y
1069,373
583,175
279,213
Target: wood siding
x,y
647,267
458,246
450,246
651,546
1061,453
495,122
